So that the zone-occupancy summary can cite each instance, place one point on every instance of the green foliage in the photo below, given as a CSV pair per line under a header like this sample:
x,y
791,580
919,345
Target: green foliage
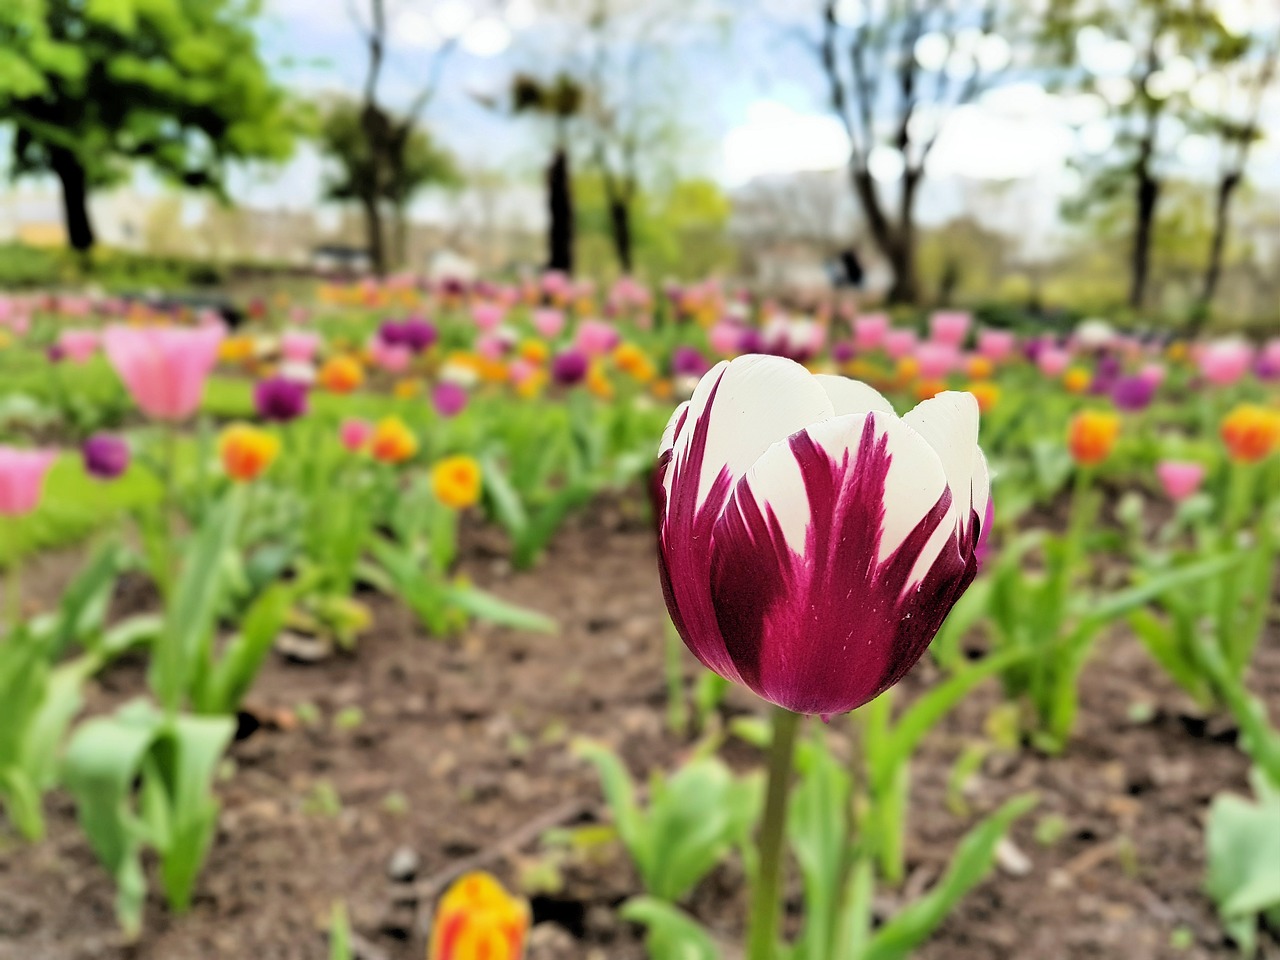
x,y
692,819
177,84
1242,843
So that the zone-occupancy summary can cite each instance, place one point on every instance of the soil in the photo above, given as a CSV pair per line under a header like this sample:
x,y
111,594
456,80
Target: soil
x,y
457,753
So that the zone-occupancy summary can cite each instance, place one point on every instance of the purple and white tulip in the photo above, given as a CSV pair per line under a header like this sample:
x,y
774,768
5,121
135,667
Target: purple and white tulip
x,y
811,542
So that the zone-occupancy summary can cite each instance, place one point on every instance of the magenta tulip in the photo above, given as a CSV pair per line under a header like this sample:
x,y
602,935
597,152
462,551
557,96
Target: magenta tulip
x,y
164,368
1179,478
22,475
811,542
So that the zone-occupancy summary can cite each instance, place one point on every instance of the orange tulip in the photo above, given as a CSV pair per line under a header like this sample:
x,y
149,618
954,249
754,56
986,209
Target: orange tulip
x,y
393,442
1076,380
341,374
1251,433
1092,436
478,920
246,451
456,482
986,393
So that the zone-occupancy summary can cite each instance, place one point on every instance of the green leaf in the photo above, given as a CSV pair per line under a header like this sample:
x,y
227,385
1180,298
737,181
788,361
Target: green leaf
x,y
671,934
1242,842
191,615
229,679
817,826
507,507
620,795
487,607
103,760
188,759
969,866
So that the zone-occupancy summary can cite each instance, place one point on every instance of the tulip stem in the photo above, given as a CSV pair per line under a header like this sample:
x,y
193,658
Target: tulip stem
x,y
762,934
13,581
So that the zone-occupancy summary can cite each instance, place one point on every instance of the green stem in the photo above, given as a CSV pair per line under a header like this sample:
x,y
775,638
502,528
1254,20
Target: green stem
x,y
762,934
13,585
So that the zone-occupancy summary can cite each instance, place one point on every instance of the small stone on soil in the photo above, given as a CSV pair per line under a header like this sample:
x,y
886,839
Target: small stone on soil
x,y
403,865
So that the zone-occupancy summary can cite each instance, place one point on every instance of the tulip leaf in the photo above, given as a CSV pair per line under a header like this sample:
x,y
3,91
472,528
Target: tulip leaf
x,y
222,685
670,933
970,864
1242,842
485,606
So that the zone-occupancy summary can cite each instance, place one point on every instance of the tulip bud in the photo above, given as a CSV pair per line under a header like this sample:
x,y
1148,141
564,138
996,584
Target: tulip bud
x,y
247,451
478,920
105,456
456,482
1251,432
811,542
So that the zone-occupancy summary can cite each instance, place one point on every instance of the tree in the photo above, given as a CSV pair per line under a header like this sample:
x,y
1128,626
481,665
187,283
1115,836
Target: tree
x,y
558,101
1234,112
413,162
93,85
896,70
1141,58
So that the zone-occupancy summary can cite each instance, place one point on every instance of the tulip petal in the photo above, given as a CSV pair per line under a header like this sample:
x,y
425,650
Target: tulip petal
x,y
949,423
827,627
739,409
853,396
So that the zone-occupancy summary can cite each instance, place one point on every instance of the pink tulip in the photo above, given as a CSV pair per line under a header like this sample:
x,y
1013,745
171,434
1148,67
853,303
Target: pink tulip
x,y
899,343
595,338
520,370
78,346
1052,361
355,434
487,316
164,368
495,345
811,541
22,475
391,357
869,331
1179,478
950,326
1153,373
996,345
299,346
724,338
549,323
936,359
1224,362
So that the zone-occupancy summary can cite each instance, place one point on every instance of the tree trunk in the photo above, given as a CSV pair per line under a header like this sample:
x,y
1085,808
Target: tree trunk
x,y
373,234
1221,227
1148,195
560,211
906,287
620,228
75,198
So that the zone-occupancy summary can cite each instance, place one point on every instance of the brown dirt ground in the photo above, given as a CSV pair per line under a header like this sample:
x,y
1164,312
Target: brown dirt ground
x,y
461,744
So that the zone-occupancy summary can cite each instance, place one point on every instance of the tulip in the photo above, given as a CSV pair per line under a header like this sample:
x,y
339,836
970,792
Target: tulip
x,y
448,398
811,542
390,357
996,345
869,331
478,920
950,326
899,343
1179,478
22,474
596,338
355,434
569,367
105,456
1076,380
341,374
936,360
1250,433
164,368
247,451
1132,394
393,441
78,346
687,361
1224,362
455,481
548,322
1091,436
487,316
419,334
1052,361
299,346
280,399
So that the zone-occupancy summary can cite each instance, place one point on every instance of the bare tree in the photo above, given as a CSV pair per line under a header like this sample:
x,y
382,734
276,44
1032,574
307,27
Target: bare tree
x,y
896,70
